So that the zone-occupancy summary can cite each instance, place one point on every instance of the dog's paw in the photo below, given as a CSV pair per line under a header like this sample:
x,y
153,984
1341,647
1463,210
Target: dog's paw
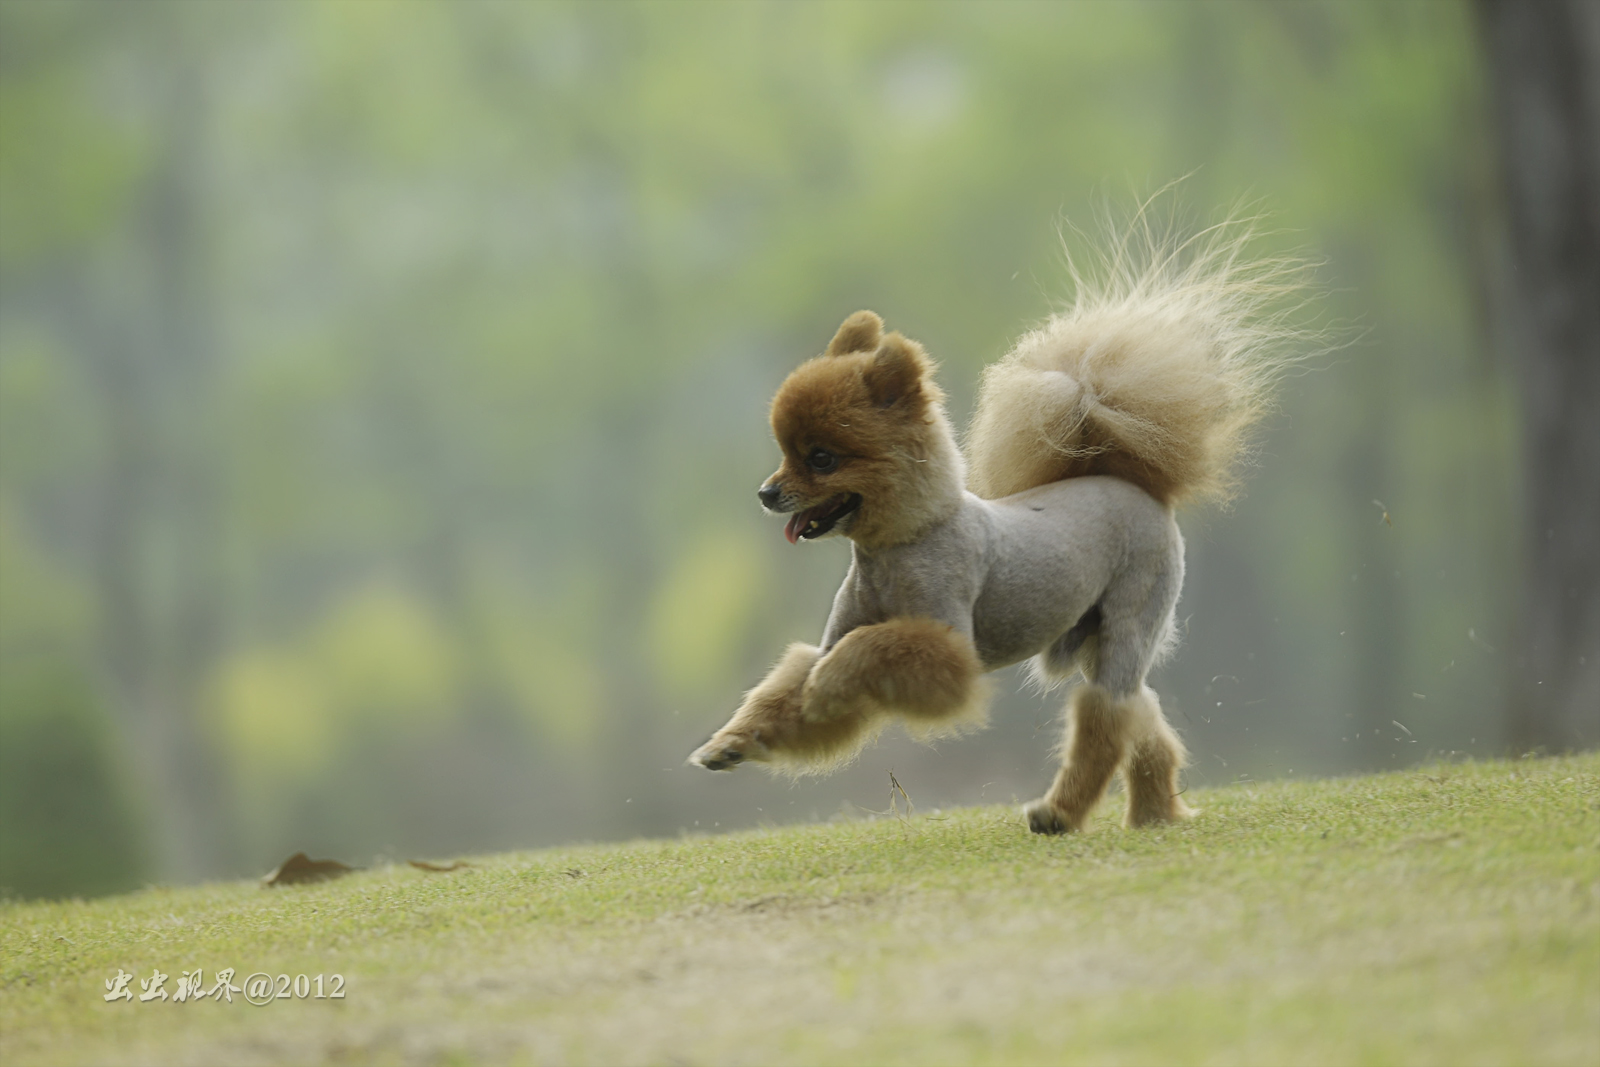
x,y
1043,818
717,757
725,753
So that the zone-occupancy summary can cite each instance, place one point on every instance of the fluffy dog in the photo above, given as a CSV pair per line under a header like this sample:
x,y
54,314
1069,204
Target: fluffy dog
x,y
1053,539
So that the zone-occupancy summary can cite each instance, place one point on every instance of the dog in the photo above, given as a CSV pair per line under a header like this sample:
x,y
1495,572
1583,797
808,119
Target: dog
x,y
1051,537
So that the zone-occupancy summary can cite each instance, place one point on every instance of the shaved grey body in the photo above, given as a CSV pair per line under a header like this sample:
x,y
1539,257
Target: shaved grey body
x,y
1041,573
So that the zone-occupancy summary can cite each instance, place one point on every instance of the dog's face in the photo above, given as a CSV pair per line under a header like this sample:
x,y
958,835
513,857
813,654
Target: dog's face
x,y
857,427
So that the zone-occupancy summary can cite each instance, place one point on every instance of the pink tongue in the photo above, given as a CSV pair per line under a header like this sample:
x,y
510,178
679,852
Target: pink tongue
x,y
796,523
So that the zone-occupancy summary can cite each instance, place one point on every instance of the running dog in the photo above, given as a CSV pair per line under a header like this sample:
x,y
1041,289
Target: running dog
x,y
1052,538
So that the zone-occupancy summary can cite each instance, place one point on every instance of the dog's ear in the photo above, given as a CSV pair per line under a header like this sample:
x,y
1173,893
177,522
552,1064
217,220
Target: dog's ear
x,y
896,371
859,333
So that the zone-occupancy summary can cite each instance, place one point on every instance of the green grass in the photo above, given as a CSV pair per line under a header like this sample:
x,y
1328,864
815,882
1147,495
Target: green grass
x,y
1446,916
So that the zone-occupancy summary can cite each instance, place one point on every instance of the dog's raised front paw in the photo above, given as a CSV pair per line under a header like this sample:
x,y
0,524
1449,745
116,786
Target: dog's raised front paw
x,y
717,757
723,753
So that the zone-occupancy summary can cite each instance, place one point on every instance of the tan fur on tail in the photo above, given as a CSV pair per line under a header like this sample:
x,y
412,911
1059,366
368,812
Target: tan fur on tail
x,y
1155,374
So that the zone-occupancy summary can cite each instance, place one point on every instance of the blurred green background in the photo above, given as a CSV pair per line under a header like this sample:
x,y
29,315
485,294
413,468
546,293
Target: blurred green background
x,y
383,385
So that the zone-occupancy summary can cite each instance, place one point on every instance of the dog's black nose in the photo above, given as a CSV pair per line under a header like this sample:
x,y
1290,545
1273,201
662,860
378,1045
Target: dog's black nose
x,y
769,495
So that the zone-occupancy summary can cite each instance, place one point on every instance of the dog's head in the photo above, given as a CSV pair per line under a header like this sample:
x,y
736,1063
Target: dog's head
x,y
867,451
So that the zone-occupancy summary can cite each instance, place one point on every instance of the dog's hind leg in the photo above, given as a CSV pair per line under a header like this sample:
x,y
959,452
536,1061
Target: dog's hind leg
x,y
1129,646
1154,760
1095,746
1114,722
1155,754
1072,652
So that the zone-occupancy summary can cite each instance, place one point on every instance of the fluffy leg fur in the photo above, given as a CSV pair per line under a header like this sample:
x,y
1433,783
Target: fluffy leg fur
x,y
771,720
813,712
1104,734
920,668
1152,771
1096,743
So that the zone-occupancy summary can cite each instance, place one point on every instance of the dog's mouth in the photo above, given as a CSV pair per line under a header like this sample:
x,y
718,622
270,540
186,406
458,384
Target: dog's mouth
x,y
814,522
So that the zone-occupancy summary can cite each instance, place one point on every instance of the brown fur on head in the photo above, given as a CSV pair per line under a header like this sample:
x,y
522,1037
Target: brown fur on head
x,y
867,450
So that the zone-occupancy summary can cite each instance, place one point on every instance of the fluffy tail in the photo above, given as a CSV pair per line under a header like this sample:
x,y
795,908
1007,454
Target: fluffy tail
x,y
1155,374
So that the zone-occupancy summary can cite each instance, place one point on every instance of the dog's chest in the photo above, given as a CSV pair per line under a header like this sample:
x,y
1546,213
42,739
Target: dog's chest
x,y
936,577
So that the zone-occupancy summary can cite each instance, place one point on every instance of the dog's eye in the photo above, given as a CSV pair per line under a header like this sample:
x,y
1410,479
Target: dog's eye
x,y
822,460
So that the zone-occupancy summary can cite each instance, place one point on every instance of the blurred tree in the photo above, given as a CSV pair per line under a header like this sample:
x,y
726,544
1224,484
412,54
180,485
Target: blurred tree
x,y
1545,64
68,824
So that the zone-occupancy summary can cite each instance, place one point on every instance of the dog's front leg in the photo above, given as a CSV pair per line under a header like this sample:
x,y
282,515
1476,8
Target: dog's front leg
x,y
769,713
776,725
921,668
813,712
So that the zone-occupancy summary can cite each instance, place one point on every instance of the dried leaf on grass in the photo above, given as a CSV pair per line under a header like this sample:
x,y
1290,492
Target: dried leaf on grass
x,y
424,865
300,868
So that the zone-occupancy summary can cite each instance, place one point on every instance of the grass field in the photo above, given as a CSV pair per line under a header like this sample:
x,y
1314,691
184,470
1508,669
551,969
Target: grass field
x,y
1443,916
